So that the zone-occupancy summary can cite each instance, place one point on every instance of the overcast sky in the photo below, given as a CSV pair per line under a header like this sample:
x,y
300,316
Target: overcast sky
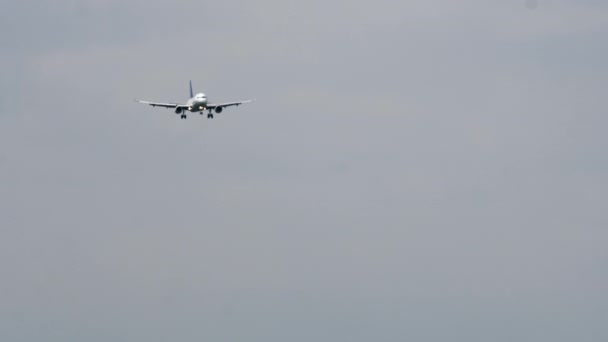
x,y
411,171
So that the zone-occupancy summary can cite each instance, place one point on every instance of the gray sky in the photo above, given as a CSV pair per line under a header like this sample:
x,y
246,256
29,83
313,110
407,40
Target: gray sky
x,y
411,171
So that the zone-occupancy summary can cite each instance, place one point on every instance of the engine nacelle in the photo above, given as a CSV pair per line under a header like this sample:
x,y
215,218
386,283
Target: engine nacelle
x,y
218,109
178,110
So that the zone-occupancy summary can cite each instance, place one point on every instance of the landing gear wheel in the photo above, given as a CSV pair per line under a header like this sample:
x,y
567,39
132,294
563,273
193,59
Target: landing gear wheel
x,y
184,116
209,116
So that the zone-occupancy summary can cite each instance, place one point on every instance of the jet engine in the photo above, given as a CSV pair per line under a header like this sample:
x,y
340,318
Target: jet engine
x,y
218,109
178,110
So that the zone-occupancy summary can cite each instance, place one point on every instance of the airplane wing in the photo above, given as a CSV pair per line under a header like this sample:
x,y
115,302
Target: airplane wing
x,y
227,104
165,105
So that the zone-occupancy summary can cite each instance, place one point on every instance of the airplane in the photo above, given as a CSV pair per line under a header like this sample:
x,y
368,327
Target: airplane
x,y
197,103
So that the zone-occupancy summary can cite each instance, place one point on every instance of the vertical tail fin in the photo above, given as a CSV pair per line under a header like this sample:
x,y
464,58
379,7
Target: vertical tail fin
x,y
191,92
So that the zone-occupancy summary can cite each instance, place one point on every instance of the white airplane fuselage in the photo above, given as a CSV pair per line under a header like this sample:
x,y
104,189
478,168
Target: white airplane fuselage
x,y
198,103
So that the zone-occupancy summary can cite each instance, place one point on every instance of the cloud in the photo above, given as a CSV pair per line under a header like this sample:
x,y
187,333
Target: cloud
x,y
411,170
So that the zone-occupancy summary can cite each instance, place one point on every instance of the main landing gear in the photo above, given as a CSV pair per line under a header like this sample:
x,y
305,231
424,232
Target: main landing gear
x,y
210,115
183,116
